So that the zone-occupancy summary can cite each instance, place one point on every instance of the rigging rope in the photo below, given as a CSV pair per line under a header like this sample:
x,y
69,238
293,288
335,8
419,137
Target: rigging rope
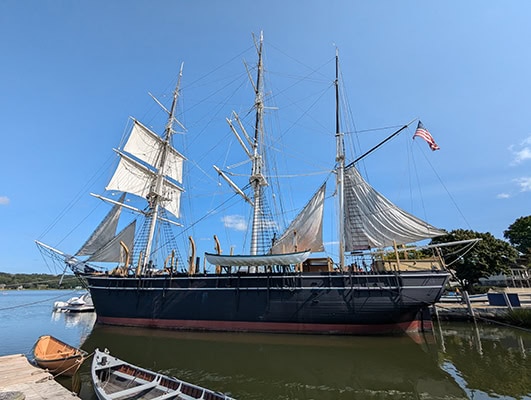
x,y
35,302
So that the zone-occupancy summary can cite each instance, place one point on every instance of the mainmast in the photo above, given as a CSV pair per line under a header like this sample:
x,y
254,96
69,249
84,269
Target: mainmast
x,y
156,195
340,160
257,179
253,145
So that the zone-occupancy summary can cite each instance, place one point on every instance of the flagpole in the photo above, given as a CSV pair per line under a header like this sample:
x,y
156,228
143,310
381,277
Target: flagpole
x,y
381,143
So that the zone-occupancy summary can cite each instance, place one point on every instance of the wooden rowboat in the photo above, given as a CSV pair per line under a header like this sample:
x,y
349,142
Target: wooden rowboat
x,y
56,356
117,379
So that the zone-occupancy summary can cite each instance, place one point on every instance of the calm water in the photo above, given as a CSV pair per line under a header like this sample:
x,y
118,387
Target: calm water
x,y
459,361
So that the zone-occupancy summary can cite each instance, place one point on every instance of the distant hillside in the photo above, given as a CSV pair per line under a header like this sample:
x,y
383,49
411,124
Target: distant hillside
x,y
37,281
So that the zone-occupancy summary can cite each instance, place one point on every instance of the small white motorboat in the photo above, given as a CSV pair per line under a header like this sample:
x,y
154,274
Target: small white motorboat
x,y
81,303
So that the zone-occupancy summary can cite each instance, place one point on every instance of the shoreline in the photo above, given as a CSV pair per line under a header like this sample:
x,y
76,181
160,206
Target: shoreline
x,y
484,307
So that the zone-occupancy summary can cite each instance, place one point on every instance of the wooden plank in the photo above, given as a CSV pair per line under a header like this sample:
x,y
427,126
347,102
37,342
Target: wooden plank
x,y
8,358
133,390
18,375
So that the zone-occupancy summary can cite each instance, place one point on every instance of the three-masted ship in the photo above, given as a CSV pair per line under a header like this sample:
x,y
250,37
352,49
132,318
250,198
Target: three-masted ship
x,y
280,286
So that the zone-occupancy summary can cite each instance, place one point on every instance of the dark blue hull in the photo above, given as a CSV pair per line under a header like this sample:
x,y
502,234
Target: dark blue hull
x,y
340,303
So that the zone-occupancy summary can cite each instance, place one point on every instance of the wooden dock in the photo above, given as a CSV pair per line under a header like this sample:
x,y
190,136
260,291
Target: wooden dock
x,y
480,307
19,380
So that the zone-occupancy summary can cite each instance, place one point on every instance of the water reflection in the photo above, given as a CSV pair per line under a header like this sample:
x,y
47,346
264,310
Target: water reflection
x,y
83,322
460,361
256,366
487,361
27,314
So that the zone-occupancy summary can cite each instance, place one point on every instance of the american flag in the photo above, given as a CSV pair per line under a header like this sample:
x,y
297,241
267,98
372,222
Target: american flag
x,y
424,134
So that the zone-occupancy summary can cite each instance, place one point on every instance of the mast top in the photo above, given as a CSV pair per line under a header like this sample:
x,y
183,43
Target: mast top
x,y
168,132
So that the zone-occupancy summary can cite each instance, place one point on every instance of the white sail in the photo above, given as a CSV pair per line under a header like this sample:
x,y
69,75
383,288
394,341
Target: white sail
x,y
104,232
306,230
112,251
372,221
171,198
147,146
132,177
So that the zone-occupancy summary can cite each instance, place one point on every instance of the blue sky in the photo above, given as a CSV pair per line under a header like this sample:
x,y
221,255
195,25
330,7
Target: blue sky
x,y
73,72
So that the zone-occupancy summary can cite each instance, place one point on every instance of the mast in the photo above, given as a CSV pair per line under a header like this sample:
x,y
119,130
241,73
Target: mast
x,y
257,179
340,170
253,145
156,195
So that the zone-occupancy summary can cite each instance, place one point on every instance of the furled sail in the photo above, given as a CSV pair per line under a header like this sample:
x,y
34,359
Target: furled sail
x,y
104,232
112,251
306,230
133,177
372,221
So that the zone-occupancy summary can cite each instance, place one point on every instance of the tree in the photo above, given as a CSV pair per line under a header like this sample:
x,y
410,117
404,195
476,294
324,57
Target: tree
x,y
37,281
519,234
489,256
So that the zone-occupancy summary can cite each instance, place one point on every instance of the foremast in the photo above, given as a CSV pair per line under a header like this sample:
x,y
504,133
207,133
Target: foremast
x,y
156,194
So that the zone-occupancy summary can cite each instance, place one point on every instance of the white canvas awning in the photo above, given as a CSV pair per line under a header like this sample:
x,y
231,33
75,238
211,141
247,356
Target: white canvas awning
x,y
257,260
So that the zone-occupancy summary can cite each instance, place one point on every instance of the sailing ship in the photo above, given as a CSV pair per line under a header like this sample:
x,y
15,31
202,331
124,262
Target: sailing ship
x,y
281,285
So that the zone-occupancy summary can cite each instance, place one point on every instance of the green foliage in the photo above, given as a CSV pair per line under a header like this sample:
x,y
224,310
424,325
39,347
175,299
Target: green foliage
x,y
490,256
37,281
519,234
519,317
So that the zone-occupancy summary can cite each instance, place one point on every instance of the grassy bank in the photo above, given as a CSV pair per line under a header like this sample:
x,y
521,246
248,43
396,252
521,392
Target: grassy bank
x,y
519,317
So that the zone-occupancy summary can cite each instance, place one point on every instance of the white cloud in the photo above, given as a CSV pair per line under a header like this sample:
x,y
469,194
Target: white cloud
x,y
522,155
503,196
524,183
236,222
521,152
4,200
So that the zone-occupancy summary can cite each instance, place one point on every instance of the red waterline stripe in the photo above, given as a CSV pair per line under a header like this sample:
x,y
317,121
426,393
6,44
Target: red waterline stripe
x,y
232,326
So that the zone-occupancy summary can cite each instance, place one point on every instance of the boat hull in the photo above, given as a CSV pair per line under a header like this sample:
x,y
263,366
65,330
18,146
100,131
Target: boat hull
x,y
331,303
116,379
57,357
